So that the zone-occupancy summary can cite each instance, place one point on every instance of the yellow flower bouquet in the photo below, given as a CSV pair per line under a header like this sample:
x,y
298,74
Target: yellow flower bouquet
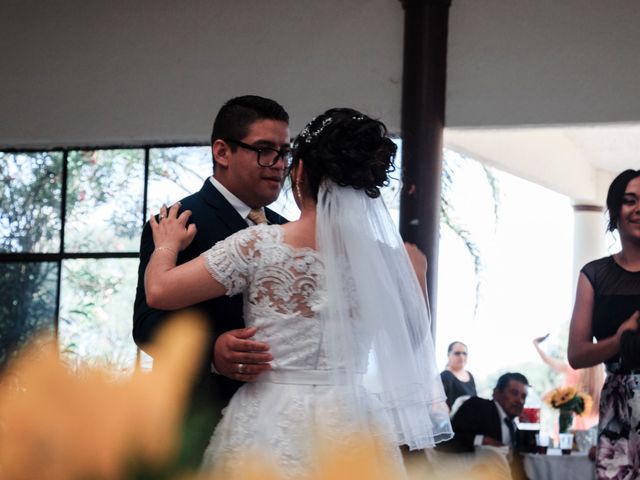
x,y
569,401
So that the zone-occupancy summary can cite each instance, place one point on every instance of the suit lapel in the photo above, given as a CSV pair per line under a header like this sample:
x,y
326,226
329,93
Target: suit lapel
x,y
496,422
274,218
229,215
223,209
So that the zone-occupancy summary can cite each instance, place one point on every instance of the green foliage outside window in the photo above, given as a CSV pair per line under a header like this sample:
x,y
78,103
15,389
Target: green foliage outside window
x,y
103,216
29,222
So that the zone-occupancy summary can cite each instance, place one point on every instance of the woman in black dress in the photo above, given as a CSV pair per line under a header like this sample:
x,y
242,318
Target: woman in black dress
x,y
606,307
457,381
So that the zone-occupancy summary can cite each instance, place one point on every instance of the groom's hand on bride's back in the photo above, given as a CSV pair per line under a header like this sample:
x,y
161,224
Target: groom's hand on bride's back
x,y
237,356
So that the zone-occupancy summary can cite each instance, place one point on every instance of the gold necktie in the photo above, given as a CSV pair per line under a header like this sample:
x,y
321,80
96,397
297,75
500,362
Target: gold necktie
x,y
257,216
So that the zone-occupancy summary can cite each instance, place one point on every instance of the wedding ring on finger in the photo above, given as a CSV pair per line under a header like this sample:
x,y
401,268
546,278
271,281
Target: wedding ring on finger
x,y
241,367
161,216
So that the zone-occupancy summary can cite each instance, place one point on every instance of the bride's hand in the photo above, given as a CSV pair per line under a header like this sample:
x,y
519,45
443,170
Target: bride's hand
x,y
169,230
630,323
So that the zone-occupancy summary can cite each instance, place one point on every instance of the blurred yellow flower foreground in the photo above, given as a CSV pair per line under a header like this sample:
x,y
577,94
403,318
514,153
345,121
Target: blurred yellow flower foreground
x,y
89,424
58,424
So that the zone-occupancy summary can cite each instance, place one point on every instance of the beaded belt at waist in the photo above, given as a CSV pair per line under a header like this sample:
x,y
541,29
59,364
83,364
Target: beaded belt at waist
x,y
297,377
304,377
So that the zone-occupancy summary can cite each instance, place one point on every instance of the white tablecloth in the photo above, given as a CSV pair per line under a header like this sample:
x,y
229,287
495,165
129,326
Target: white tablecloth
x,y
576,466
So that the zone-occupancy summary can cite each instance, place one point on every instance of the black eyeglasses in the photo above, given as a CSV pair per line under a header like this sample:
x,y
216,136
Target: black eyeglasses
x,y
267,156
460,353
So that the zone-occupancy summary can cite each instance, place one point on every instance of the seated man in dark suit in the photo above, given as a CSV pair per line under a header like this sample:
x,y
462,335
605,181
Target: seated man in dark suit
x,y
482,422
479,421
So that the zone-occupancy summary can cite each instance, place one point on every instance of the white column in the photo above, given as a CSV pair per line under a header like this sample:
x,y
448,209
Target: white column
x,y
588,236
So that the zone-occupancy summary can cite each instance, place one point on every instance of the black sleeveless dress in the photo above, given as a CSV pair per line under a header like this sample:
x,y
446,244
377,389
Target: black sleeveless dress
x,y
617,297
455,388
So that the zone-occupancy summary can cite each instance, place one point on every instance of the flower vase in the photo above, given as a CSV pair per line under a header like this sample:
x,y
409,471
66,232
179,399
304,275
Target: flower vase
x,y
565,419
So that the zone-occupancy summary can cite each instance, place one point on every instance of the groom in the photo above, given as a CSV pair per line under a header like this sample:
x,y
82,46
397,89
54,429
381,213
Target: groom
x,y
250,145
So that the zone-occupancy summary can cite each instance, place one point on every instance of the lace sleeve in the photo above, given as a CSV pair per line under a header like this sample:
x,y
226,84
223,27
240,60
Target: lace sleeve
x,y
231,261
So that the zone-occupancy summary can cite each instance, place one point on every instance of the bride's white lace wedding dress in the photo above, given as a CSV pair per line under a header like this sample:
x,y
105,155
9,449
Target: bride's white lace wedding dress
x,y
283,412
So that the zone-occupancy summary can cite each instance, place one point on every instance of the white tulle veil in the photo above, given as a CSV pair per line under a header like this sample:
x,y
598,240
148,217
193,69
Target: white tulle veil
x,y
378,336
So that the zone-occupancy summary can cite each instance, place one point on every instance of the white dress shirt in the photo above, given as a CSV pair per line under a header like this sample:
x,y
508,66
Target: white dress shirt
x,y
506,434
242,208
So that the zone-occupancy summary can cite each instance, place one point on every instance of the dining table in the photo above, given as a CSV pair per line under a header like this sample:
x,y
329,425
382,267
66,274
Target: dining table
x,y
555,466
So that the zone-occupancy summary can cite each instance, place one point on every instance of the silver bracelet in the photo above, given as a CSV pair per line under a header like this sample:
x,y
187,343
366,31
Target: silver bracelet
x,y
167,249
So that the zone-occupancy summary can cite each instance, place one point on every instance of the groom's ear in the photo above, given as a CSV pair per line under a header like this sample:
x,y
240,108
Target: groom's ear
x,y
220,151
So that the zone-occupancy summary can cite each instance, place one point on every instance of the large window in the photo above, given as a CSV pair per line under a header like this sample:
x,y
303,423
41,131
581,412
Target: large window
x,y
70,223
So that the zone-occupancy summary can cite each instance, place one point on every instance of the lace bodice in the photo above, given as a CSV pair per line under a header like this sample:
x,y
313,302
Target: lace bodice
x,y
282,292
287,410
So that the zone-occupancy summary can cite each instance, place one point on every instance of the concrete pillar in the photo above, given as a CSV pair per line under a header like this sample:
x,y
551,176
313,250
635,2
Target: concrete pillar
x,y
588,236
423,96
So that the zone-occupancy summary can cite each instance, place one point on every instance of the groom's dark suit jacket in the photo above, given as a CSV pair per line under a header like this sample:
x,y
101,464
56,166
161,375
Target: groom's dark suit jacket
x,y
215,219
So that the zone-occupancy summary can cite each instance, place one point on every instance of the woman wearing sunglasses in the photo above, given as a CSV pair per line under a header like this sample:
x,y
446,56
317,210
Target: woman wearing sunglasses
x,y
457,381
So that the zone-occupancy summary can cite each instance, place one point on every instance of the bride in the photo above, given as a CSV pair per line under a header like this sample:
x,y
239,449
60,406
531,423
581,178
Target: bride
x,y
336,294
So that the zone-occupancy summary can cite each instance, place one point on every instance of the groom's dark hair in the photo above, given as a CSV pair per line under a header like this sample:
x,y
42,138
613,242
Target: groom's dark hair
x,y
235,116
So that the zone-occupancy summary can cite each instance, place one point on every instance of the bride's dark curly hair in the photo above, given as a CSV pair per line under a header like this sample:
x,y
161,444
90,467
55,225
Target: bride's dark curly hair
x,y
347,147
